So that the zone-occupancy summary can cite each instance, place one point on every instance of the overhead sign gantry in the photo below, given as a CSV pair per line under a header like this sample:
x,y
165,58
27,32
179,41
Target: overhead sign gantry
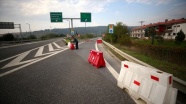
x,y
56,17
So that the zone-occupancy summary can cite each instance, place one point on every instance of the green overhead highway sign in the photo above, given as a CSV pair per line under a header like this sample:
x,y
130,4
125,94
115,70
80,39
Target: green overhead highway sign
x,y
56,17
85,17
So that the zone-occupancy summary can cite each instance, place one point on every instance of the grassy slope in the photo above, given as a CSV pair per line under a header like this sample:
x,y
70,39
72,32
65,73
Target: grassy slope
x,y
176,70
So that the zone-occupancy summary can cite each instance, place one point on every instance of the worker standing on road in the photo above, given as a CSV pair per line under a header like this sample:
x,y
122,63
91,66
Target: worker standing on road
x,y
75,41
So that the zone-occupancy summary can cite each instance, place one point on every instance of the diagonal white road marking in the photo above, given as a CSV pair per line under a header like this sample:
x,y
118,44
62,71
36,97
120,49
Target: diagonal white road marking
x,y
40,51
56,45
29,62
50,47
22,53
37,60
17,61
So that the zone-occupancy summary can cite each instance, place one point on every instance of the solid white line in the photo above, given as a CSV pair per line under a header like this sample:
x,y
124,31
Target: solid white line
x,y
26,44
56,45
39,52
11,71
116,75
50,47
109,67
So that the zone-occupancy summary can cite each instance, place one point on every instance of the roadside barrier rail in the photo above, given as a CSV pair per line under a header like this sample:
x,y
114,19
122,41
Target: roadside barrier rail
x,y
182,83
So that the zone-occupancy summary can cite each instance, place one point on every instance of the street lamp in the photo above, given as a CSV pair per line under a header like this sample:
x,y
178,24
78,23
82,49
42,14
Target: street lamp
x,y
29,28
85,26
69,25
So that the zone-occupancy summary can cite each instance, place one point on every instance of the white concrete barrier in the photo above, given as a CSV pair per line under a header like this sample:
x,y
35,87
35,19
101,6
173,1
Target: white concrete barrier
x,y
151,85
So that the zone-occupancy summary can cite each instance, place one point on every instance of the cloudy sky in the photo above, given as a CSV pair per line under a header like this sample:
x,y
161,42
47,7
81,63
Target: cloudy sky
x,y
104,12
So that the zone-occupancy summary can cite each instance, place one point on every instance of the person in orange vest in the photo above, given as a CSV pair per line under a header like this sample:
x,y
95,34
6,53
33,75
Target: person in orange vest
x,y
75,41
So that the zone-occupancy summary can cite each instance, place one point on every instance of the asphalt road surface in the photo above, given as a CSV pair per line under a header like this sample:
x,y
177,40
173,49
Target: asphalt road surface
x,y
51,73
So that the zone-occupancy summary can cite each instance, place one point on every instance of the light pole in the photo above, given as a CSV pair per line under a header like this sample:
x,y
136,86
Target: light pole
x,y
85,26
29,28
69,25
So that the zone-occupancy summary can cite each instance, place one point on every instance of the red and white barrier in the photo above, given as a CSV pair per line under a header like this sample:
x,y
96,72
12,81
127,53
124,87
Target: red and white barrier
x,y
99,41
96,58
72,47
153,86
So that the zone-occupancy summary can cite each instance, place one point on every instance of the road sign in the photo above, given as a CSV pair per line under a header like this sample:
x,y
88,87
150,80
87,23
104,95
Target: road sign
x,y
111,28
85,17
6,25
56,17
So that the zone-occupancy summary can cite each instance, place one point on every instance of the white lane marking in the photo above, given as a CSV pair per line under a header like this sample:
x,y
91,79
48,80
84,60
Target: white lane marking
x,y
22,53
26,44
39,59
17,55
17,61
34,60
116,75
56,45
50,47
109,67
39,52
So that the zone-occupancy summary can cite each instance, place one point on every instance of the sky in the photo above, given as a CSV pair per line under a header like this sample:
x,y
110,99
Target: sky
x,y
103,12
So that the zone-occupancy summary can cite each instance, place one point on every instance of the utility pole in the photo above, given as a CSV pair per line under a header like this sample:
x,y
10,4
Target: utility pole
x,y
29,28
69,26
141,29
141,22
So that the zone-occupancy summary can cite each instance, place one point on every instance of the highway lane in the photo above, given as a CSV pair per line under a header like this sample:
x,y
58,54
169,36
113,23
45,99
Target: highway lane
x,y
64,77
8,51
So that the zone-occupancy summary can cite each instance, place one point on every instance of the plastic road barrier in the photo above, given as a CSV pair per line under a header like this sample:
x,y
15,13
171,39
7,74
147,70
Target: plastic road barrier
x,y
151,85
99,41
69,44
96,58
72,46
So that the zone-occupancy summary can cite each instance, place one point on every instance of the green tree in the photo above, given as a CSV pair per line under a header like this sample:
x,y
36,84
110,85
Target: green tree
x,y
180,37
120,35
8,37
32,37
119,30
150,32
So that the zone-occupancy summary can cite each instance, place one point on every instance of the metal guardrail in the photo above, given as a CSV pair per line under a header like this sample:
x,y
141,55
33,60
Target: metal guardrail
x,y
14,42
132,59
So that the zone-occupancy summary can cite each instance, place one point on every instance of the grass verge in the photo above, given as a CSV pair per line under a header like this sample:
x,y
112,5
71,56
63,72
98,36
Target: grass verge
x,y
177,70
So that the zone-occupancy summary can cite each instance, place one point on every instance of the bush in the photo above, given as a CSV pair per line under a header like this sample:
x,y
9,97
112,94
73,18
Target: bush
x,y
86,36
125,40
169,54
8,37
32,37
48,36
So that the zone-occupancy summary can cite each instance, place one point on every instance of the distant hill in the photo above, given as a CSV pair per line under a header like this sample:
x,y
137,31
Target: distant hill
x,y
96,30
